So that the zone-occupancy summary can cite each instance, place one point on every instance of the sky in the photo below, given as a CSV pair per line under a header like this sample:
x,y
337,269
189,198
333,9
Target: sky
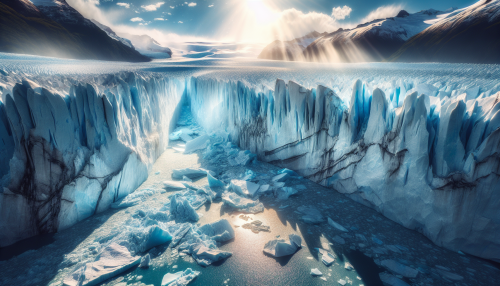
x,y
259,21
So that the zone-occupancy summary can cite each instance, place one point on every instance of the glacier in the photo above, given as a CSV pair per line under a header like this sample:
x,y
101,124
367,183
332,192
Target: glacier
x,y
418,143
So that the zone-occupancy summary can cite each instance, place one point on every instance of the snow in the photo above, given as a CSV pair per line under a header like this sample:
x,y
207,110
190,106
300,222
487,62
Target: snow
x,y
113,260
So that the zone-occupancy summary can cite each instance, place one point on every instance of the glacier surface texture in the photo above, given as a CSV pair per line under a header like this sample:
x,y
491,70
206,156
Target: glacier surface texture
x,y
419,143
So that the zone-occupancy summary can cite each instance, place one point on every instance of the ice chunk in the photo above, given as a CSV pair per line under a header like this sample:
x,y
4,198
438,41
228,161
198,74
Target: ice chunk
x,y
242,204
316,272
112,261
244,188
348,266
156,236
399,268
285,192
342,282
256,226
336,225
191,173
326,257
145,261
264,188
134,198
220,230
281,177
249,175
243,158
173,185
289,172
182,210
197,144
183,134
180,278
312,215
279,247
206,256
213,182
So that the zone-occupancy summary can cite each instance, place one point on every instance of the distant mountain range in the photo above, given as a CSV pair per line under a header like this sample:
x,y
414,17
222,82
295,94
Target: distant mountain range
x,y
470,35
53,28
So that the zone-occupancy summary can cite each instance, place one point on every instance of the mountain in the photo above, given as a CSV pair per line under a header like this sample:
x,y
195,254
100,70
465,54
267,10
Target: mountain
x,y
289,50
54,28
373,41
148,46
469,35
112,34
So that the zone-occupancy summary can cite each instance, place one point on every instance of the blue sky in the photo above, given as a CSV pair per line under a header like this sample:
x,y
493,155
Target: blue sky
x,y
251,20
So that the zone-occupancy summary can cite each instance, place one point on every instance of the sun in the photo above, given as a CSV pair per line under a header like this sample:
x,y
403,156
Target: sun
x,y
262,13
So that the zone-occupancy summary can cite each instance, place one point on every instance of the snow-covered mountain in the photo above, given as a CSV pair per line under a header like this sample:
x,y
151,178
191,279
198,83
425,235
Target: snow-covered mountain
x,y
373,41
289,50
148,46
53,28
112,34
469,35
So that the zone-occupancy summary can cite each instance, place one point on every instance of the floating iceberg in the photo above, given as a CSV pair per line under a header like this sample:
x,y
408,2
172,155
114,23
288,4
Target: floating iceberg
x,y
336,225
112,261
326,257
180,278
279,247
316,272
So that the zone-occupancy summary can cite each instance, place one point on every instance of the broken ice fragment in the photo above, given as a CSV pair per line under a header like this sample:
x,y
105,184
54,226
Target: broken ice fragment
x,y
156,236
244,188
197,144
289,172
173,185
249,175
191,173
326,257
182,210
242,204
180,278
279,247
316,272
348,266
220,230
342,282
145,261
312,215
112,261
256,226
336,225
285,192
213,182
280,177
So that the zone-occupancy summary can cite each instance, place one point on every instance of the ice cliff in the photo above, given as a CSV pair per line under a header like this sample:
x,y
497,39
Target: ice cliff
x,y
425,155
424,151
71,148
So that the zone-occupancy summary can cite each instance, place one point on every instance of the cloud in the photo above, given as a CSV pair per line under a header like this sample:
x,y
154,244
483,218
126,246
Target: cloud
x,y
341,13
192,4
292,23
382,13
210,6
126,5
180,22
159,19
172,7
136,19
152,7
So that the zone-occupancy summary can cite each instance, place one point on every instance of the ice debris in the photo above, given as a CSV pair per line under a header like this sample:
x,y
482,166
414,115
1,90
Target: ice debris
x,y
336,225
213,182
399,268
348,266
242,204
256,226
184,134
181,209
112,261
281,177
191,173
326,257
285,192
289,172
180,278
311,214
242,159
198,143
316,272
134,198
279,247
244,188
145,261
173,185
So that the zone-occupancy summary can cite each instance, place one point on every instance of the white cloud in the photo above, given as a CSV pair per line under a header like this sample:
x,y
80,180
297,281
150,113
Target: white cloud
x,y
159,19
180,22
136,19
172,7
210,6
293,23
152,7
382,13
340,13
169,14
192,4
126,5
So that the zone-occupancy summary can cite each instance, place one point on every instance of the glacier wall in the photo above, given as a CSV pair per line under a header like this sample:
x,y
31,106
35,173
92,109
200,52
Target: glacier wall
x,y
426,155
71,148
